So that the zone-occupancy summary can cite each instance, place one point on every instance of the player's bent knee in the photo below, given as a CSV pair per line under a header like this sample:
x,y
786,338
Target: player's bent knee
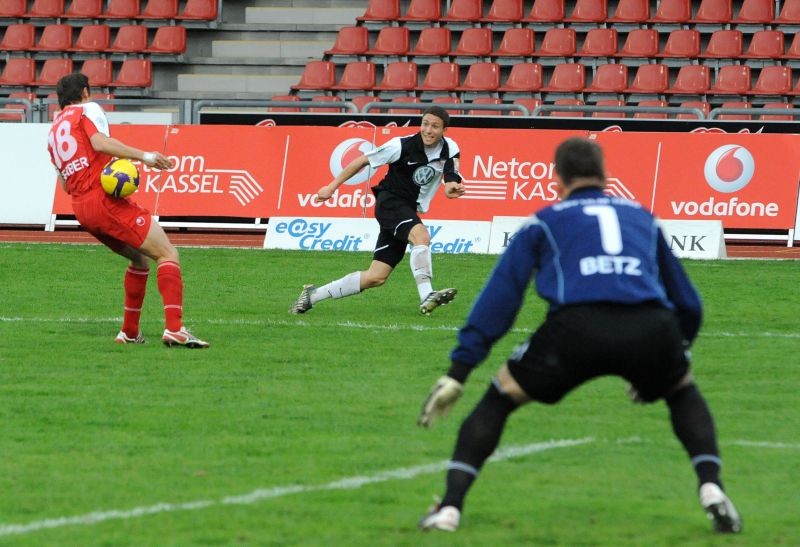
x,y
509,386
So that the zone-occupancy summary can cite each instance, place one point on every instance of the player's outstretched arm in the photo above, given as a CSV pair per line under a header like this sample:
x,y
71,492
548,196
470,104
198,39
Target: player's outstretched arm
x,y
454,189
352,168
114,147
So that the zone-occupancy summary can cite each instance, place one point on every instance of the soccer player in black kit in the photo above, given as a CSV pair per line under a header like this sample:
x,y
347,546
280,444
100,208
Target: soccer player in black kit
x,y
418,164
620,303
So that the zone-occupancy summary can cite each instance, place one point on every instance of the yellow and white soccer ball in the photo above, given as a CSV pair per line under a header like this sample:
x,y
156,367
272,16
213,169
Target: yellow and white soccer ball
x,y
119,178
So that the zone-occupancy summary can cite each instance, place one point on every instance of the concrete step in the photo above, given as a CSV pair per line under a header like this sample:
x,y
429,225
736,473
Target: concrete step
x,y
248,49
303,16
233,83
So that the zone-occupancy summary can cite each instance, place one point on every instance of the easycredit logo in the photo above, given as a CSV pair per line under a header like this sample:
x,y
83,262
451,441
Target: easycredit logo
x,y
190,176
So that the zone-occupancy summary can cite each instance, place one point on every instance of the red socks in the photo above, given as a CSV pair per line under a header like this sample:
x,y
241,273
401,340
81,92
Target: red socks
x,y
170,285
135,285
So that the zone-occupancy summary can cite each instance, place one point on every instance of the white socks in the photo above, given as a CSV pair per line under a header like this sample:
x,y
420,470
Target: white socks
x,y
346,286
422,269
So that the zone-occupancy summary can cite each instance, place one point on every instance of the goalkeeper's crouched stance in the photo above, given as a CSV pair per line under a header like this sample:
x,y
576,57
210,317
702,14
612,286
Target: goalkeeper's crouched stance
x,y
636,322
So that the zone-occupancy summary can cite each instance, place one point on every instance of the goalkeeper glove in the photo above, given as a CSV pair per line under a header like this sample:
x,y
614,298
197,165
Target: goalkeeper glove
x,y
442,398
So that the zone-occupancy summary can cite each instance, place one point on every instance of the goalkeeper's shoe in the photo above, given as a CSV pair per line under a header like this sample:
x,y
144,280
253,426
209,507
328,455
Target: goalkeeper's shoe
x,y
720,509
123,338
303,302
183,338
441,518
436,299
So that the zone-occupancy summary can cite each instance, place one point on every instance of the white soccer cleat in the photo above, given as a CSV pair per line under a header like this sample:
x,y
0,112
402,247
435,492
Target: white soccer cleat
x,y
436,299
441,518
720,509
183,338
123,338
303,302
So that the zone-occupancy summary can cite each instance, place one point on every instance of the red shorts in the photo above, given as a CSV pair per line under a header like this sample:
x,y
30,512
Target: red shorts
x,y
116,222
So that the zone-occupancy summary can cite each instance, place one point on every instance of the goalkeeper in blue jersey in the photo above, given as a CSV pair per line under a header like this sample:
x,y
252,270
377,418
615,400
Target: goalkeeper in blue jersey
x,y
620,303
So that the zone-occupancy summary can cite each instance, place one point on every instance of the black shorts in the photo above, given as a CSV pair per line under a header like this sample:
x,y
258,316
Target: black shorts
x,y
642,344
395,217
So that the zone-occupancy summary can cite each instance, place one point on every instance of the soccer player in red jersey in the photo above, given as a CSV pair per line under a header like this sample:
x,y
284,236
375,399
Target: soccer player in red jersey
x,y
80,146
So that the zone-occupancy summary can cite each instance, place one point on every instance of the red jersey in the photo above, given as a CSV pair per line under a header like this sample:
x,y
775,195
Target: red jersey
x,y
71,149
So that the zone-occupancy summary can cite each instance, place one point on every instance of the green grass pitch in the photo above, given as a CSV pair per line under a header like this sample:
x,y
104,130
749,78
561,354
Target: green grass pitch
x,y
300,430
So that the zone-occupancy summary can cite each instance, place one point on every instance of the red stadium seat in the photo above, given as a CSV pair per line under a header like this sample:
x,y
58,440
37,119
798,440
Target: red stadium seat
x,y
481,77
357,75
391,41
381,10
464,10
453,100
691,80
504,11
432,41
134,73
326,99
599,42
55,38
609,78
52,108
640,43
52,71
566,114
19,71
794,48
732,80
441,77
609,102
702,105
99,72
351,41
777,117
18,37
159,9
108,107
735,104
96,38
773,80
589,11
121,9
85,9
766,44
672,11
546,11
13,8
790,12
405,110
713,11
631,11
46,9
199,10
130,39
423,10
530,104
567,78
516,42
474,42
285,98
755,11
399,76
17,112
485,100
523,78
650,79
558,42
317,75
168,40
362,100
682,43
724,44
652,115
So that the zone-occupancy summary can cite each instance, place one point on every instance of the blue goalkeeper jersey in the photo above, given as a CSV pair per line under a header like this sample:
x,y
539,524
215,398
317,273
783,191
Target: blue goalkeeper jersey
x,y
589,248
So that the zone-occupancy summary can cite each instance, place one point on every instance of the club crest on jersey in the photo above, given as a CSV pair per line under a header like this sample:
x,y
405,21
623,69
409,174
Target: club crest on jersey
x,y
423,175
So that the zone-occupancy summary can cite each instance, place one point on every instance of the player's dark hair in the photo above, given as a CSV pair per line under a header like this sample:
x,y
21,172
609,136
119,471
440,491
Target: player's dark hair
x,y
70,89
580,158
439,112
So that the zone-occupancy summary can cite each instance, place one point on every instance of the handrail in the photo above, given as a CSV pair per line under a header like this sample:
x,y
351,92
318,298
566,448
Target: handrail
x,y
26,108
626,109
183,106
386,105
716,112
198,105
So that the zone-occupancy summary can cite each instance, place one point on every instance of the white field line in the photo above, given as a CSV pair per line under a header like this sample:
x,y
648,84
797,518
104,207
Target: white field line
x,y
349,483
348,325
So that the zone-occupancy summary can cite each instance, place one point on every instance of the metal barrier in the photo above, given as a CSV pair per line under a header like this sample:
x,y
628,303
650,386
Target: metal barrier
x,y
181,107
385,105
614,109
25,109
753,112
215,103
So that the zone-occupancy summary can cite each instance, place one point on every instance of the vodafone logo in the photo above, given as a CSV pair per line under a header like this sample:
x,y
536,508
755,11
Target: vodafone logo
x,y
344,153
729,168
